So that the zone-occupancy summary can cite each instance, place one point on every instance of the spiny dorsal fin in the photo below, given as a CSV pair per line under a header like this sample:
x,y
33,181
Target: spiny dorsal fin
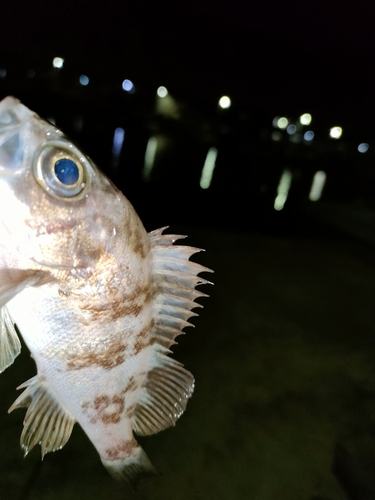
x,y
10,346
46,422
168,385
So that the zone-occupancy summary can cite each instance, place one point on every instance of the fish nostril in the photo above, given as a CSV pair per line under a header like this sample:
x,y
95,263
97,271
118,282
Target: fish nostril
x,y
11,152
8,118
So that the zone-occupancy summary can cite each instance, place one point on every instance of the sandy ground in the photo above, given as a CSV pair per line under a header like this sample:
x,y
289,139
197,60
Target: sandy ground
x,y
284,359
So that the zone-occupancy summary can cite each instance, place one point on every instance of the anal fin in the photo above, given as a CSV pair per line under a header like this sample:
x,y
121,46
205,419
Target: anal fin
x,y
46,422
164,397
10,346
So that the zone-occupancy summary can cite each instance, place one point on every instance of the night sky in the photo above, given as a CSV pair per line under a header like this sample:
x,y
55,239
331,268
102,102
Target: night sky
x,y
287,54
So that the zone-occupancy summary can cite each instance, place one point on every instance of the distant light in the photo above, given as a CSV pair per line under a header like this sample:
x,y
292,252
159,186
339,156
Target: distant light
x,y
335,132
276,136
128,85
363,147
309,135
118,141
275,120
282,122
208,168
225,102
283,190
84,80
3,72
317,185
291,129
58,62
149,157
31,73
305,119
162,92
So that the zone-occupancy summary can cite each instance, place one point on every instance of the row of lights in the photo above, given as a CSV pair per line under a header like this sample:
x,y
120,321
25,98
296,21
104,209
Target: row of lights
x,y
282,123
128,85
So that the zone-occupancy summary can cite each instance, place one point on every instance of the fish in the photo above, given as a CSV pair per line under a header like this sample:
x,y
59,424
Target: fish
x,y
98,301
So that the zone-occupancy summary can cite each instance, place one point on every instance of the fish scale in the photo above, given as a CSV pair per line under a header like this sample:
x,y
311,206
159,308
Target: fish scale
x,y
98,301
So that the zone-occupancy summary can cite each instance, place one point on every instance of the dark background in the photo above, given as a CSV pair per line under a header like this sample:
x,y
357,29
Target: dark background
x,y
283,353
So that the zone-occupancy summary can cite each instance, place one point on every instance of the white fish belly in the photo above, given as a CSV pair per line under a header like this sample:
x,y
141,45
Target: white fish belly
x,y
94,374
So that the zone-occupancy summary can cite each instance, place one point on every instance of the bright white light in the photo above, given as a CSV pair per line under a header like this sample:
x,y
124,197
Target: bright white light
x,y
276,136
3,73
58,62
162,92
291,129
118,141
208,168
363,147
128,85
151,148
335,132
224,102
282,122
84,80
317,185
283,190
305,119
309,135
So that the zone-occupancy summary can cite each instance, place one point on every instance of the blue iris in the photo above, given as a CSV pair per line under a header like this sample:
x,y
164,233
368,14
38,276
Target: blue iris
x,y
66,171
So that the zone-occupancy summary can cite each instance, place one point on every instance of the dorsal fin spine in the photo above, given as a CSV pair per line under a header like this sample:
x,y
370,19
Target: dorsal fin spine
x,y
168,385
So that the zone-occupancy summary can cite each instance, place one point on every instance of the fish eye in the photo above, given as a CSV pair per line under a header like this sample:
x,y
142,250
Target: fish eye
x,y
61,169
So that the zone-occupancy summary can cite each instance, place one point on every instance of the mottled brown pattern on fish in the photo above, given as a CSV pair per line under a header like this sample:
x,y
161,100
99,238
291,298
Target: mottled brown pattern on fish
x,y
135,238
114,352
131,385
117,309
143,340
114,304
112,356
105,409
121,451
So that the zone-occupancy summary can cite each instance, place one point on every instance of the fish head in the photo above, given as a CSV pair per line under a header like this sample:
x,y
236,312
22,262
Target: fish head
x,y
56,208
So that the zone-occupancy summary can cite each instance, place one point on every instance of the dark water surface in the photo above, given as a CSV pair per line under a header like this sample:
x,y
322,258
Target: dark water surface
x,y
284,359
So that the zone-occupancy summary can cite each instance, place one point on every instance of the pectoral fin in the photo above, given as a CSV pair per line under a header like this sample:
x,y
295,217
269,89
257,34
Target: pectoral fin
x,y
10,346
46,422
13,281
